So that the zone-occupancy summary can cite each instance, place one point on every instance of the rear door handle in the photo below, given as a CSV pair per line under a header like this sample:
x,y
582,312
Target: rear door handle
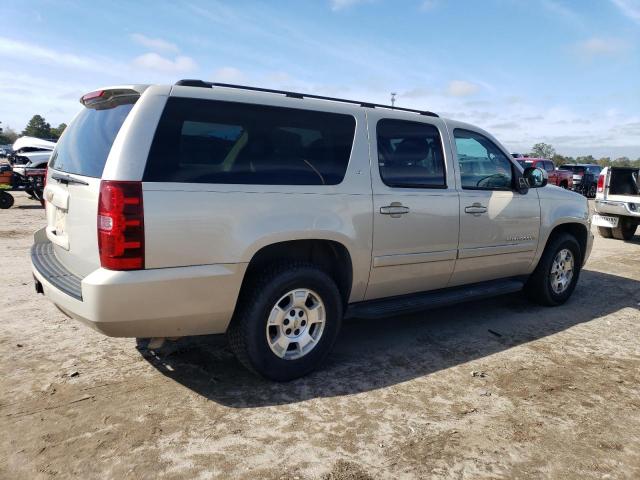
x,y
395,210
475,209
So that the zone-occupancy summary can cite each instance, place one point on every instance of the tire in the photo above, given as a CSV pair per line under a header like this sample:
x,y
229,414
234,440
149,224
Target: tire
x,y
6,200
250,337
625,230
592,192
605,232
539,286
564,185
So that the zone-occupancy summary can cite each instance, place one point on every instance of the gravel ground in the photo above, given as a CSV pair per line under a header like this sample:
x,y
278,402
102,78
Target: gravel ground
x,y
492,389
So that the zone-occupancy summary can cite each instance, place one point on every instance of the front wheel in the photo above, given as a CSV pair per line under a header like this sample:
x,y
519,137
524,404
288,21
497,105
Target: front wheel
x,y
286,321
556,275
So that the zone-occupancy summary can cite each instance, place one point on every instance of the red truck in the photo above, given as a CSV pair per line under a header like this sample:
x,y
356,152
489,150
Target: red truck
x,y
561,178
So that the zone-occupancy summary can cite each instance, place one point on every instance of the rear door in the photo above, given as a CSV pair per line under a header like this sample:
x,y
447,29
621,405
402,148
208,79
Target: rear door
x,y
415,205
73,181
499,227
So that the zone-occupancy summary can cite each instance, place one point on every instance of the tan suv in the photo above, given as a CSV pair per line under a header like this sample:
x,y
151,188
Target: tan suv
x,y
203,208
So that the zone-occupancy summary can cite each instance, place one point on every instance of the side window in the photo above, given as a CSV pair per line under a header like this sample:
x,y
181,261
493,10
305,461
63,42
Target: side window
x,y
548,166
483,166
207,141
410,154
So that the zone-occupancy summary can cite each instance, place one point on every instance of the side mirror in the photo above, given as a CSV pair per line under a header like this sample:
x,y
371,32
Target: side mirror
x,y
535,177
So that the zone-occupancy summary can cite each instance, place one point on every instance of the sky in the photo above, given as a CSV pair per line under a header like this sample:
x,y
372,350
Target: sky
x,y
564,72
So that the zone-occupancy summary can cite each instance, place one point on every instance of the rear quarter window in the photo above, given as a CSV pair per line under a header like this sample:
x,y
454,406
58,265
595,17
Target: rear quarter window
x,y
210,141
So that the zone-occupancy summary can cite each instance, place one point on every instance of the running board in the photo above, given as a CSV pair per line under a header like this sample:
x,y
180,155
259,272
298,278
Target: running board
x,y
435,299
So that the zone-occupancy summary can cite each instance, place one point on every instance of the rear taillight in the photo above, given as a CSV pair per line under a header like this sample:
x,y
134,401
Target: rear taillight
x,y
121,225
601,183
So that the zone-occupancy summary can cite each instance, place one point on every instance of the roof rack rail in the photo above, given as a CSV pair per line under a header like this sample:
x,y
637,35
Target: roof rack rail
x,y
203,84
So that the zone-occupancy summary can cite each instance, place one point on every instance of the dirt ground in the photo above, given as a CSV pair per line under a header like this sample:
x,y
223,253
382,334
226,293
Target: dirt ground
x,y
555,393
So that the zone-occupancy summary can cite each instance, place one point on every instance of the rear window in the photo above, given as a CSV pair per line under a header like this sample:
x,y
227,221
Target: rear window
x,y
85,145
525,163
208,141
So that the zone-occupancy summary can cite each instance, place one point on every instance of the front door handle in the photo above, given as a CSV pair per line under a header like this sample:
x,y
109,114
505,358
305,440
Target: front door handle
x,y
475,209
395,210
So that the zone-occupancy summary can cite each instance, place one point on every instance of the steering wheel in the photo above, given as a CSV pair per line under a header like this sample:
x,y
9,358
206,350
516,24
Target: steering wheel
x,y
500,175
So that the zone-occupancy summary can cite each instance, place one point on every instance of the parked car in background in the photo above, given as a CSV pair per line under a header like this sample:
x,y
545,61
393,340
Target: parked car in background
x,y
557,177
271,215
5,150
32,144
618,202
585,177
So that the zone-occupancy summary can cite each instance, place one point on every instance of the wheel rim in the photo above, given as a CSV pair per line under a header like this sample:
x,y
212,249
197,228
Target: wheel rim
x,y
562,271
296,323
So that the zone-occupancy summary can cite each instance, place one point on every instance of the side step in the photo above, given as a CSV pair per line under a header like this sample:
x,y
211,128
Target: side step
x,y
417,302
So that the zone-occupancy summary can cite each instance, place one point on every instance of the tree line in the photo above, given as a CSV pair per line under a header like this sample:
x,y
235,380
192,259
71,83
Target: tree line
x,y
544,150
37,127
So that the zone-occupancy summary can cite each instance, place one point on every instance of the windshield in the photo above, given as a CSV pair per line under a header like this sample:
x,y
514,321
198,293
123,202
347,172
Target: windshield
x,y
84,147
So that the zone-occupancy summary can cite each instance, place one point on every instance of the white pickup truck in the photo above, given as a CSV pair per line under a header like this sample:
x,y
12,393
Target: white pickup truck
x,y
618,202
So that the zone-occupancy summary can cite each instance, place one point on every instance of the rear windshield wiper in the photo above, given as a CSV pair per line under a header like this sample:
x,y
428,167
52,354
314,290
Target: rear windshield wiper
x,y
68,179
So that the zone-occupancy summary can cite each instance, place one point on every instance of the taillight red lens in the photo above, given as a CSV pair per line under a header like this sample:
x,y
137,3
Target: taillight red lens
x,y
601,183
92,95
121,225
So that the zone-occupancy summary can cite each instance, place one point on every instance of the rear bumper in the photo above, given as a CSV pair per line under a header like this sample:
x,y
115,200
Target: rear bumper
x,y
611,207
163,302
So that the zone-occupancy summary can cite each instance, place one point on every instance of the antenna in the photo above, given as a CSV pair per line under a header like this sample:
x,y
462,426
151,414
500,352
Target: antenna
x,y
393,99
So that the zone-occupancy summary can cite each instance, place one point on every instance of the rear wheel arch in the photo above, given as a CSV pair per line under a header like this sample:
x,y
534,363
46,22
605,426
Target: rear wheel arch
x,y
329,255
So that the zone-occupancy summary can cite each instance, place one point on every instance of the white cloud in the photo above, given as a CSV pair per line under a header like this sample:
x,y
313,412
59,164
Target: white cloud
x,y
229,75
629,8
153,61
342,4
462,88
427,5
156,44
598,46
559,10
23,50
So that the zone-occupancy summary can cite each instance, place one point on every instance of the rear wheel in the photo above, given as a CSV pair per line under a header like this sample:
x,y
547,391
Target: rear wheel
x,y
556,275
592,191
6,200
605,232
625,230
286,321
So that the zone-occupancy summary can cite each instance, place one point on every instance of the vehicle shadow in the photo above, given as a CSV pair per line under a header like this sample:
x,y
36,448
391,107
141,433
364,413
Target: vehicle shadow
x,y
372,354
30,207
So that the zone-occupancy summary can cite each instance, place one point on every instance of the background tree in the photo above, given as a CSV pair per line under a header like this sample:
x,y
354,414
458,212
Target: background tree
x,y
621,162
37,127
57,131
7,135
543,150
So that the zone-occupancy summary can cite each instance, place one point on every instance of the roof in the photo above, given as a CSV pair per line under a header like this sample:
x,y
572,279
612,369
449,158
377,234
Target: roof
x,y
203,84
